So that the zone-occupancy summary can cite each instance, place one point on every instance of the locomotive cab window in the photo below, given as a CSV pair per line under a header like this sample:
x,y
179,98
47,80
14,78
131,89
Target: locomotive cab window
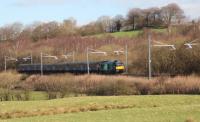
x,y
105,67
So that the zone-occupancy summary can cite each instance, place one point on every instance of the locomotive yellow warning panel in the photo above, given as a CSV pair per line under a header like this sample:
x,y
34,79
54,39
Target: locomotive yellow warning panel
x,y
120,67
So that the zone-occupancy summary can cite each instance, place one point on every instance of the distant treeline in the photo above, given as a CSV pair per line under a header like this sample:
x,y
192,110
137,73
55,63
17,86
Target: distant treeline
x,y
136,18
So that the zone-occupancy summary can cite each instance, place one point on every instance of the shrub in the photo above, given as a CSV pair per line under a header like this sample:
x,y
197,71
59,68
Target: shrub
x,y
114,85
59,86
8,80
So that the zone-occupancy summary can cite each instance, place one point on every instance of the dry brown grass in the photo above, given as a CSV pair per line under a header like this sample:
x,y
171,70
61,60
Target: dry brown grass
x,y
61,110
190,120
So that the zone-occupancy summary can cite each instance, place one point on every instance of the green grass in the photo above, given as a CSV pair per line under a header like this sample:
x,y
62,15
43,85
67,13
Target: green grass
x,y
127,34
146,109
159,114
37,95
138,101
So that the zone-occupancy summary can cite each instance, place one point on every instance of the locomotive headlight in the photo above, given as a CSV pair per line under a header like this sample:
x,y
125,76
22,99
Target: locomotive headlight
x,y
120,67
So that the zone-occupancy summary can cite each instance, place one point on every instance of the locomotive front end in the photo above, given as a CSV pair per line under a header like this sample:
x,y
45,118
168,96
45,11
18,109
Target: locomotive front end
x,y
120,68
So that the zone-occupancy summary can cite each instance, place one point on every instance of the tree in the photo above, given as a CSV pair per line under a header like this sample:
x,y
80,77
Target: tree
x,y
147,13
91,28
52,29
118,21
26,33
46,31
106,22
11,32
172,13
151,15
134,16
156,16
68,27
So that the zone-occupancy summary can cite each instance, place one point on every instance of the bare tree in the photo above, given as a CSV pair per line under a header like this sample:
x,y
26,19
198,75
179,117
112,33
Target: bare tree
x,y
69,26
134,16
151,16
171,13
11,32
147,14
118,21
46,31
106,23
156,16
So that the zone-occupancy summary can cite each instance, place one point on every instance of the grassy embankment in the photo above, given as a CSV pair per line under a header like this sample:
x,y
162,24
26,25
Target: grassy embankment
x,y
129,34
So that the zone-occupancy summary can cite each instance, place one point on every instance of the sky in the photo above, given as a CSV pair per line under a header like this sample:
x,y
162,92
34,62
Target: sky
x,y
84,11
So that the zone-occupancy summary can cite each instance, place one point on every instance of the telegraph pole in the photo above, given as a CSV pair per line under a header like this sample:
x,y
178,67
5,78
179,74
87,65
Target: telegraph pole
x,y
8,59
5,63
73,53
126,59
31,58
149,56
41,67
88,65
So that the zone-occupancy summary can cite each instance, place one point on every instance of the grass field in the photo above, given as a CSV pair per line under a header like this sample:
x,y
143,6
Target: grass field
x,y
36,95
164,114
165,108
128,34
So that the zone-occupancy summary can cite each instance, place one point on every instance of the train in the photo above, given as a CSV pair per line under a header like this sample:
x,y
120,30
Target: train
x,y
101,67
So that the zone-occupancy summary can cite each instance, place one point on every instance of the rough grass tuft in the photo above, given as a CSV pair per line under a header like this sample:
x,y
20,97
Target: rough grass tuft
x,y
60,110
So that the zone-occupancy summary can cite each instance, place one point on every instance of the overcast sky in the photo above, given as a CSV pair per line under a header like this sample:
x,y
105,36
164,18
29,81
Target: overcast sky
x,y
84,11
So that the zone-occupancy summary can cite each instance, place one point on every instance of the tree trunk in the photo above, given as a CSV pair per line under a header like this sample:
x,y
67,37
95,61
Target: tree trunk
x,y
134,24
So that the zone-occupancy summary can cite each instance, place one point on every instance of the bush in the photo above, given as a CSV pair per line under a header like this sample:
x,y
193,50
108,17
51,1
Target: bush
x,y
11,95
9,80
59,86
114,85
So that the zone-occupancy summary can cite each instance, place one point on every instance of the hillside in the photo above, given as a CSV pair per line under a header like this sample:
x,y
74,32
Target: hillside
x,y
127,34
165,61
